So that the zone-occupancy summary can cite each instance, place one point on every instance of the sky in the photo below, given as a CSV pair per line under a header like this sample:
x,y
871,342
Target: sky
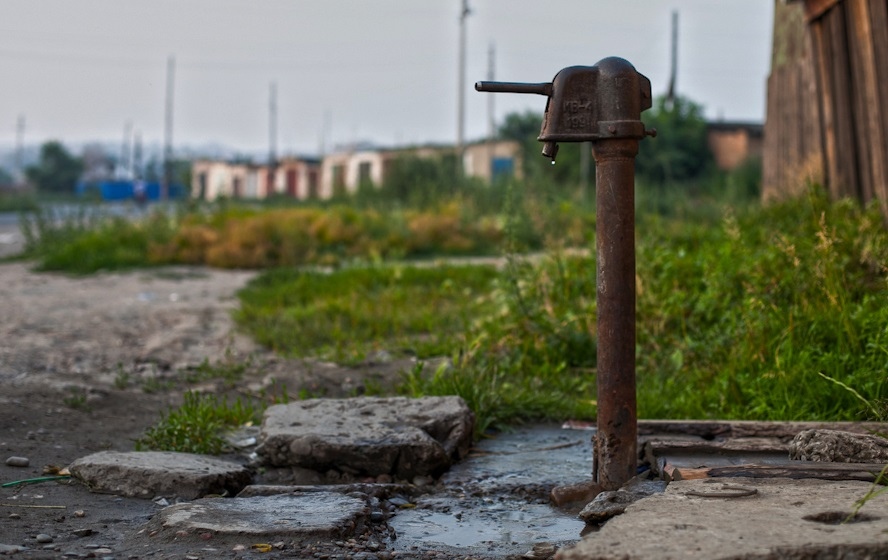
x,y
384,71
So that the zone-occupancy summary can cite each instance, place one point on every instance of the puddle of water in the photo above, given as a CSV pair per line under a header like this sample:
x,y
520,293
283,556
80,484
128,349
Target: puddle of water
x,y
503,524
496,503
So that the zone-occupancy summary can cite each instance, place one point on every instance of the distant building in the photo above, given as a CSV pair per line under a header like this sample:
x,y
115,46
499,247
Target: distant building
x,y
294,177
298,178
492,160
341,172
732,143
344,171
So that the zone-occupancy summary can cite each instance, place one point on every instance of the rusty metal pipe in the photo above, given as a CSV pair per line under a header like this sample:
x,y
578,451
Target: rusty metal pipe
x,y
616,441
602,104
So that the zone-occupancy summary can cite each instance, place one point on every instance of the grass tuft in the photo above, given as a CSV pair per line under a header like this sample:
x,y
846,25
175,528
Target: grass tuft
x,y
197,425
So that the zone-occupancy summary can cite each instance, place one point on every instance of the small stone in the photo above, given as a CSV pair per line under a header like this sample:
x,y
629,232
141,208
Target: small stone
x,y
43,538
103,551
11,548
18,462
79,513
239,548
422,481
82,532
400,502
540,551
377,516
15,516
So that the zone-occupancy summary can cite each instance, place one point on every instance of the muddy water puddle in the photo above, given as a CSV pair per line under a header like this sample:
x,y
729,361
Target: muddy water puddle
x,y
507,525
496,503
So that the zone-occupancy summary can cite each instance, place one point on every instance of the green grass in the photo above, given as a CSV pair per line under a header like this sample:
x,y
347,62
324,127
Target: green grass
x,y
87,241
743,312
739,317
197,425
348,314
18,202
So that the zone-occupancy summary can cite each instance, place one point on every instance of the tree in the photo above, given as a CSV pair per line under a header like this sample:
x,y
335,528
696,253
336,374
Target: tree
x,y
6,177
57,171
680,151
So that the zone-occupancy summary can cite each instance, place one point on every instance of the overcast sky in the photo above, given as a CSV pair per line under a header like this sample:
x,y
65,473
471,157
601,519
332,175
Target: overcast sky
x,y
346,70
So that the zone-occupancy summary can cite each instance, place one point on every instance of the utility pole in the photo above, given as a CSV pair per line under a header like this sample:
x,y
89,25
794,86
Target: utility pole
x,y
491,118
168,132
137,156
20,150
124,167
670,94
272,137
461,94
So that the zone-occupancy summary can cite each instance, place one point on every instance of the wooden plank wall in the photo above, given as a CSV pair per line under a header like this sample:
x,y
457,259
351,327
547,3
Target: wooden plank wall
x,y
847,61
792,140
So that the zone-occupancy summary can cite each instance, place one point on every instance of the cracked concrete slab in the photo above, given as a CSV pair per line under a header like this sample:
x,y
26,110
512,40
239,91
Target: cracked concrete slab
x,y
148,474
370,436
782,518
314,514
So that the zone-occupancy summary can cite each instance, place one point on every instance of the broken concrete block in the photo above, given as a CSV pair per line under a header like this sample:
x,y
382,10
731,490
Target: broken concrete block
x,y
838,447
147,474
367,435
313,514
611,503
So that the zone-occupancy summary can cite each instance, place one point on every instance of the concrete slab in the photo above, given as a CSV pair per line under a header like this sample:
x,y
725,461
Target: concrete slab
x,y
316,514
368,436
783,518
150,474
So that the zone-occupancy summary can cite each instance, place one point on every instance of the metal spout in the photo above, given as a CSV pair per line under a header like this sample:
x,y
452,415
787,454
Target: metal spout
x,y
550,150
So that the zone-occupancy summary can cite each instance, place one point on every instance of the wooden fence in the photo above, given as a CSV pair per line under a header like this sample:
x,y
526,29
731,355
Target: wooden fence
x,y
828,99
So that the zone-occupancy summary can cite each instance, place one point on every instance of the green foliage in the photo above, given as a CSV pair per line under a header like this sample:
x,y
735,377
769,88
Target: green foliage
x,y
6,178
738,314
417,182
197,425
736,320
77,400
56,171
86,241
680,151
15,202
351,313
